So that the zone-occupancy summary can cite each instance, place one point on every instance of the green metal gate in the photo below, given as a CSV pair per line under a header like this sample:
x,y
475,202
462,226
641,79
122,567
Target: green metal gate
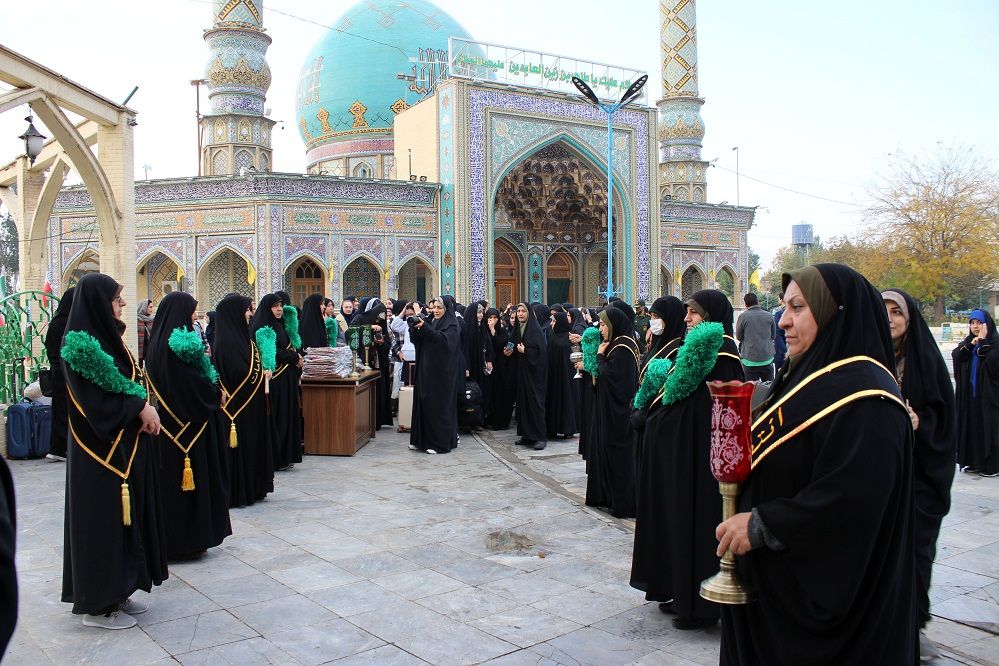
x,y
26,317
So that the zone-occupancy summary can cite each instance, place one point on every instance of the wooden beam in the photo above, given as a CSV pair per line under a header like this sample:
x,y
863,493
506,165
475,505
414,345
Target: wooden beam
x,y
19,96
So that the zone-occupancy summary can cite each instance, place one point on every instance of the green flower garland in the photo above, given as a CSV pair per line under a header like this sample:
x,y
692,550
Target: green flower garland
x,y
84,354
652,382
332,331
189,348
590,344
696,358
267,344
291,326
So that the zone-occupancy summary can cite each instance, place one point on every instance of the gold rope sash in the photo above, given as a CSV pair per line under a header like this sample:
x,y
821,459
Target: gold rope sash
x,y
251,383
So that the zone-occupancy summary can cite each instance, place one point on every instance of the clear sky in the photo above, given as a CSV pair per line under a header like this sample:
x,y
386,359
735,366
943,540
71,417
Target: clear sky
x,y
814,94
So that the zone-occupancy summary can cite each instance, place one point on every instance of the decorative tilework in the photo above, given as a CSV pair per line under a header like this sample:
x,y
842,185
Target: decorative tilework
x,y
446,141
355,246
297,245
416,247
171,247
208,245
273,266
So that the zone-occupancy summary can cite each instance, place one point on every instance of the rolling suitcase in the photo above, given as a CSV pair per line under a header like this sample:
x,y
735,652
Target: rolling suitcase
x,y
29,429
405,415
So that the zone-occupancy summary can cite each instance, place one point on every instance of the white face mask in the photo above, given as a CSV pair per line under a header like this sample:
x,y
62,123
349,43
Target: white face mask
x,y
657,326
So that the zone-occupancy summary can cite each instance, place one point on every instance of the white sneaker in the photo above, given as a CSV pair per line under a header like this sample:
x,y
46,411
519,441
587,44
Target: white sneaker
x,y
431,452
133,607
115,620
55,458
412,448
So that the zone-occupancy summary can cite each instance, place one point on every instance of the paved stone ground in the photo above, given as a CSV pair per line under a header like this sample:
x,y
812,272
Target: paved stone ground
x,y
395,558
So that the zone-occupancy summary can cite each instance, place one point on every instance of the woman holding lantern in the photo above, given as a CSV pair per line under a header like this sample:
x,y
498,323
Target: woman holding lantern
x,y
825,533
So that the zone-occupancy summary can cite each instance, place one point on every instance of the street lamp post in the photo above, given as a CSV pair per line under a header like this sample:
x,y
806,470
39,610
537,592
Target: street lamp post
x,y
628,97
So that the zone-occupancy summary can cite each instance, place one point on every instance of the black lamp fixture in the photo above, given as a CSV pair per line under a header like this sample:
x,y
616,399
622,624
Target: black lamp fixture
x,y
33,140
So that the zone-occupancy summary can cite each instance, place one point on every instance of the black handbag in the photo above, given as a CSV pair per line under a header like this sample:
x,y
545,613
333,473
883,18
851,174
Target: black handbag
x,y
45,382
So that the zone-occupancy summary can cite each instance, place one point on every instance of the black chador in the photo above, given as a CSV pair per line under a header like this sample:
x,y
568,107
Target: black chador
x,y
251,460
587,394
678,501
435,397
192,458
663,345
503,380
976,374
378,357
283,403
114,542
610,480
60,400
532,379
561,396
312,329
830,494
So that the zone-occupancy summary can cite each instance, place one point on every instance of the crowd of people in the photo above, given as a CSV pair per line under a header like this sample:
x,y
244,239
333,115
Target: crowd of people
x,y
855,436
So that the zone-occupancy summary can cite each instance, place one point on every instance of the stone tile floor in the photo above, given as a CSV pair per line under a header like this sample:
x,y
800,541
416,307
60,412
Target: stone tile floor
x,y
485,555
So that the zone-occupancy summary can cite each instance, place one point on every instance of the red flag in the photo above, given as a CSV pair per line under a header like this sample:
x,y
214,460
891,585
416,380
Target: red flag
x,y
47,288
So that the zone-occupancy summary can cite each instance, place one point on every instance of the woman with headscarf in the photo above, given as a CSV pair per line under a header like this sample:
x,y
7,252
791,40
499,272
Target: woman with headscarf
x,y
313,327
210,328
666,328
588,367
378,356
544,316
503,380
192,441
250,427
60,401
825,530
610,480
114,542
435,397
976,373
531,351
678,501
282,401
562,394
401,346
478,355
346,313
927,390
144,319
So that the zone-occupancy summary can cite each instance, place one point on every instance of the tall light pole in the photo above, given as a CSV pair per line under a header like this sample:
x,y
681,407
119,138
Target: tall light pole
x,y
736,149
628,97
197,114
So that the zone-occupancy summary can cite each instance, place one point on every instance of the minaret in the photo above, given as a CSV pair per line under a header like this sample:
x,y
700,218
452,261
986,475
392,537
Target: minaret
x,y
682,173
236,134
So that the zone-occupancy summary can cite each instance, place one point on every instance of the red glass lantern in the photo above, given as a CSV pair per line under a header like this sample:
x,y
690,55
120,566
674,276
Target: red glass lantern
x,y
731,419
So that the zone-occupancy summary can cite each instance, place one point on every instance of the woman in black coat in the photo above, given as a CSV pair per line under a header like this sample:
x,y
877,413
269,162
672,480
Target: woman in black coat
x,y
60,399
562,394
503,380
190,443
976,373
283,400
531,350
435,397
313,326
373,315
114,542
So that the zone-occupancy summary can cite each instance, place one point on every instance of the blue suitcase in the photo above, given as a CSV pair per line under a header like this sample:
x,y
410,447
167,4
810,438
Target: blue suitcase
x,y
29,429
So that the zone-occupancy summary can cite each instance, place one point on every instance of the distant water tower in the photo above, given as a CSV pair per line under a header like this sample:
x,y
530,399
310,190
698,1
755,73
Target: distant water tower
x,y
802,237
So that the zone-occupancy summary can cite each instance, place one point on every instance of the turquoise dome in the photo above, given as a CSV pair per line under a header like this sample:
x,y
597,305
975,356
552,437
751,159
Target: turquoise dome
x,y
349,87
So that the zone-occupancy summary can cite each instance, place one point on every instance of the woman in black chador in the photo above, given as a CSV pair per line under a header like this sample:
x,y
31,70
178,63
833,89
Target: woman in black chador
x,y
678,501
562,394
825,529
251,460
60,400
531,350
435,397
114,542
666,328
282,401
192,459
313,327
610,480
976,372
373,315
503,380
926,388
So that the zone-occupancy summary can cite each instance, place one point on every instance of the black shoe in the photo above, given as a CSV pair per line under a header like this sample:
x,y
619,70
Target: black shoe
x,y
524,442
540,446
686,623
667,607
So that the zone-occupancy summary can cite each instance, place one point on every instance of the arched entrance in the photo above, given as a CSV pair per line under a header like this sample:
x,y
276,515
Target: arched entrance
x,y
691,282
507,272
222,274
550,214
415,280
89,262
305,277
559,278
156,277
362,278
725,279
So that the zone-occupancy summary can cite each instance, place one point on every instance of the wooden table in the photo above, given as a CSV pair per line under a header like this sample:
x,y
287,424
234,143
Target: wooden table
x,y
339,414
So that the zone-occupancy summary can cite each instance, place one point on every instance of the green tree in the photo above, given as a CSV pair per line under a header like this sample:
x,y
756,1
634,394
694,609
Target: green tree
x,y
9,252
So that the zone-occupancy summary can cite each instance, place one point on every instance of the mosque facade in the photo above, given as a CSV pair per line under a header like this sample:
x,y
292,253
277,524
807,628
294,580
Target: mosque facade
x,y
430,170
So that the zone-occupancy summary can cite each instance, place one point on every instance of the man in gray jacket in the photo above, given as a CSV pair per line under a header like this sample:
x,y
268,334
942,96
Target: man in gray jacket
x,y
756,331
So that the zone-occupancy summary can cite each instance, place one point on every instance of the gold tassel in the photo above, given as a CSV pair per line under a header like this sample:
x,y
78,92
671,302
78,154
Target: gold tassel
x,y
126,505
187,478
233,442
